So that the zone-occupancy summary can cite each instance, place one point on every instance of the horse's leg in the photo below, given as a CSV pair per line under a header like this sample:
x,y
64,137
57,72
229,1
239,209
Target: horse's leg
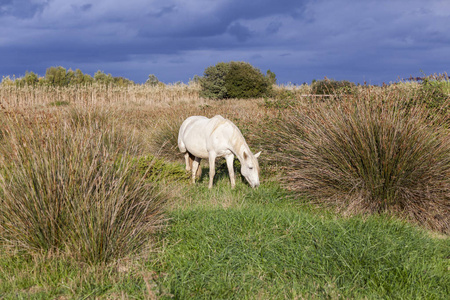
x,y
188,160
195,166
212,168
230,159
199,170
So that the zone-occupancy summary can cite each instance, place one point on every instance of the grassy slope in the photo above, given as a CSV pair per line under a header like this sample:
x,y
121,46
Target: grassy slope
x,y
267,245
246,243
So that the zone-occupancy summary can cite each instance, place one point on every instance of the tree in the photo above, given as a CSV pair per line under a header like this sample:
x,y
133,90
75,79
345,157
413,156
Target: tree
x,y
102,78
30,79
56,76
245,81
234,80
271,77
152,80
82,79
213,81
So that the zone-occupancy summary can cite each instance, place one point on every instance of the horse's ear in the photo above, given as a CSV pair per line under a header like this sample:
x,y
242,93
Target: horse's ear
x,y
257,154
245,155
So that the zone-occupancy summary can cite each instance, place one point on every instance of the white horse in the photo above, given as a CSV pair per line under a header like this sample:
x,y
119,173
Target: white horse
x,y
200,137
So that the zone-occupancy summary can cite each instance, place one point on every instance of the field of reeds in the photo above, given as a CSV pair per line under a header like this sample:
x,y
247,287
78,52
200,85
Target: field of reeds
x,y
354,199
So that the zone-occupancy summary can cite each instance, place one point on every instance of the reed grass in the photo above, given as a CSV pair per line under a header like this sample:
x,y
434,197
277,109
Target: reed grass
x,y
371,153
35,96
67,185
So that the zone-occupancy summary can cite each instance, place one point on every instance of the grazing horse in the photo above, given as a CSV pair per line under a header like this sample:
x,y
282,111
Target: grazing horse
x,y
200,137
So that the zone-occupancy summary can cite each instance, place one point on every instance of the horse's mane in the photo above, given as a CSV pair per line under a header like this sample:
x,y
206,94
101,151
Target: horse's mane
x,y
237,137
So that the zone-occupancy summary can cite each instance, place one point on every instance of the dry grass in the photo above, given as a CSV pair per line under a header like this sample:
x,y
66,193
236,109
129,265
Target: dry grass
x,y
68,185
371,119
370,153
136,95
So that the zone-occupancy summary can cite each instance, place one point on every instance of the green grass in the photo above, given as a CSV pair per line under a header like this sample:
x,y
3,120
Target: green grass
x,y
273,247
249,243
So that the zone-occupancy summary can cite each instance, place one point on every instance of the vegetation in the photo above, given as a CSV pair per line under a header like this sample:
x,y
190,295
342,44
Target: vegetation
x,y
60,77
434,92
67,186
330,86
235,80
363,155
95,202
270,247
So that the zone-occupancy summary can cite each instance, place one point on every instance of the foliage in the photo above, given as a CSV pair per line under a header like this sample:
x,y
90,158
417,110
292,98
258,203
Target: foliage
x,y
79,78
57,76
152,80
68,187
271,77
433,92
156,169
60,77
213,81
244,81
234,80
30,79
367,155
330,86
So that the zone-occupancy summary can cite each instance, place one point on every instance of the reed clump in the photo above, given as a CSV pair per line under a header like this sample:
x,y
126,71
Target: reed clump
x,y
68,185
370,153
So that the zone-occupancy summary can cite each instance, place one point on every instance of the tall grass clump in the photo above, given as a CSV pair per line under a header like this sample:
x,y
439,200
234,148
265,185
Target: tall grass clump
x,y
371,155
67,185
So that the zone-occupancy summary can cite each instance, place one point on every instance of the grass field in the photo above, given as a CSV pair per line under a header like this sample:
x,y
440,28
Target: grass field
x,y
272,242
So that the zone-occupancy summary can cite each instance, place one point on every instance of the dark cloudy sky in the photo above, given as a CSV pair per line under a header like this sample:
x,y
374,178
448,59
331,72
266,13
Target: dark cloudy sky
x,y
357,40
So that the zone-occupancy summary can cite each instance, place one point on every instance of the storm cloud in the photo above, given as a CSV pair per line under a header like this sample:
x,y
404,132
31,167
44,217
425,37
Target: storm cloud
x,y
373,41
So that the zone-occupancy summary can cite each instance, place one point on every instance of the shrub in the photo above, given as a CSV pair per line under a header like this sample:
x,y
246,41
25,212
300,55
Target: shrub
x,y
69,187
234,80
368,156
157,170
433,93
152,80
213,81
30,79
245,81
330,86
57,76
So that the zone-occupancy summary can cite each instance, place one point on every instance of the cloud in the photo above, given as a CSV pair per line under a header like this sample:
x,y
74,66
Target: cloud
x,y
22,9
82,8
242,33
273,27
298,40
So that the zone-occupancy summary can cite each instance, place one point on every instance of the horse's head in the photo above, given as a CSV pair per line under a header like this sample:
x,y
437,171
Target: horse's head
x,y
250,168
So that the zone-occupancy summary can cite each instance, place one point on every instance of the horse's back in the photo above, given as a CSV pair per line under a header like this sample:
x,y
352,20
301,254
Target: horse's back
x,y
192,136
196,133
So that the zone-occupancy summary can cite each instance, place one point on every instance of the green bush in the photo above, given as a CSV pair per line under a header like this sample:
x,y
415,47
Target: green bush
x,y
332,87
213,81
156,169
433,93
30,79
70,188
234,80
152,80
57,76
245,81
367,155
